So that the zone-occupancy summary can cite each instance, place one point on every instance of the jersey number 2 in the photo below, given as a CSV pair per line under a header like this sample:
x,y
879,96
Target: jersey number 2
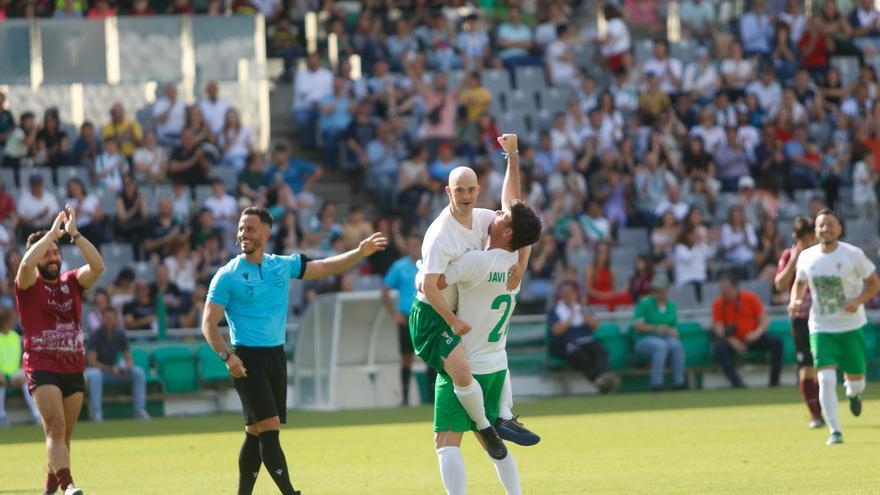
x,y
503,324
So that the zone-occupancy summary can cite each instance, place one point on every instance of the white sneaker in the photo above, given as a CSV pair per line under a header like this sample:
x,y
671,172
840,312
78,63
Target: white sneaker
x,y
72,490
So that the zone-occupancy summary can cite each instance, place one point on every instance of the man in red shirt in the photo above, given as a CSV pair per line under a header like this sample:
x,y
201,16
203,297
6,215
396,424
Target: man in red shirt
x,y
740,325
805,236
50,310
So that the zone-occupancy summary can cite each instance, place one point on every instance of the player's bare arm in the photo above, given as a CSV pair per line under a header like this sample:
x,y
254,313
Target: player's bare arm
x,y
340,263
798,291
27,270
89,273
211,331
512,189
432,291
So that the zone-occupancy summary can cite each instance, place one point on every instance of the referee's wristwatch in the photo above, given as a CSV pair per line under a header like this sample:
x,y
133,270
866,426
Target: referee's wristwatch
x,y
224,355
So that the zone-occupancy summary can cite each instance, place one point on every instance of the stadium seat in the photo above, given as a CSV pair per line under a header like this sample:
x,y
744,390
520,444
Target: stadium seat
x,y
684,297
848,67
583,54
496,80
25,173
229,176
7,175
144,270
760,287
781,327
512,122
454,78
203,192
632,236
141,359
117,252
107,200
69,172
530,79
522,102
211,368
554,100
542,120
696,342
616,343
177,368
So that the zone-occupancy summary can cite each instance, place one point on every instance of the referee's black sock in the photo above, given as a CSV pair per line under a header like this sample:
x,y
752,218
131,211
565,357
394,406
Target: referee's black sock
x,y
273,459
248,464
405,375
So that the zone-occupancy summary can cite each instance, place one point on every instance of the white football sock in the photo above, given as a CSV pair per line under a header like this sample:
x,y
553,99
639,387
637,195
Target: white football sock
x,y
2,401
452,470
25,391
471,398
828,397
508,474
854,387
505,408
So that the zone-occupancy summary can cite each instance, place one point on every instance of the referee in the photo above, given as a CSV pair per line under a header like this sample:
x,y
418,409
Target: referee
x,y
252,292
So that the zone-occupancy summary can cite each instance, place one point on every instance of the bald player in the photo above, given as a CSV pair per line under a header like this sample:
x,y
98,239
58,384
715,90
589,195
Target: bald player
x,y
434,327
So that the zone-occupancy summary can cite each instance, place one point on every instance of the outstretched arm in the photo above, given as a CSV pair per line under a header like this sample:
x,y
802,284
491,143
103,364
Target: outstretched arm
x,y
511,189
89,273
340,263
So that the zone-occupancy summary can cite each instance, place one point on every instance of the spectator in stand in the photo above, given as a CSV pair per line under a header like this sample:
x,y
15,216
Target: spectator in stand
x,y
700,78
673,203
814,49
131,224
756,31
87,147
768,252
402,45
740,323
736,72
560,59
784,57
298,175
359,134
180,7
651,183
473,43
324,228
100,302
89,216
384,155
731,161
21,145
653,101
656,335
224,208
841,31
108,360
162,231
542,265
441,108
571,338
202,227
643,275
35,207
806,163
109,167
864,20
214,109
738,241
664,236
596,227
212,256
600,283
767,90
189,163
336,109
697,19
11,373
445,162
515,40
100,10
412,181
150,161
122,289
8,213
139,314
7,121
474,97
864,180
141,8
668,70
170,115
311,85
616,41
253,179
180,269
859,104
690,258
126,132
70,9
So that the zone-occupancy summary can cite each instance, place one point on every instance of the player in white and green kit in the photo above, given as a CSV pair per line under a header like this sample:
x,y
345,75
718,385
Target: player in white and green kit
x,y
434,327
484,300
841,279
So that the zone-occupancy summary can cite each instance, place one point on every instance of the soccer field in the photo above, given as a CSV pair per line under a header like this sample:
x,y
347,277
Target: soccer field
x,y
751,441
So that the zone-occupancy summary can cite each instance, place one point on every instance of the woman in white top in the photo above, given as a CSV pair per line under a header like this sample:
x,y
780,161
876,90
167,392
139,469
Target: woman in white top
x,y
616,41
88,211
700,78
150,160
864,196
664,236
560,59
182,267
738,239
235,141
736,72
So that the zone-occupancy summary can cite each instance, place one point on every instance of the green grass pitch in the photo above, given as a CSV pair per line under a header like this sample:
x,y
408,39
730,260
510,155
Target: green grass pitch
x,y
752,441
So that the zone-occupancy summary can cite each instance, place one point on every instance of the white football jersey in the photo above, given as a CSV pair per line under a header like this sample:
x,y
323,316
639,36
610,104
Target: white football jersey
x,y
480,278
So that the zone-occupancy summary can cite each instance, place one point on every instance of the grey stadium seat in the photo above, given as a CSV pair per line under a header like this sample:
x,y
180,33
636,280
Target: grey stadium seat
x,y
496,80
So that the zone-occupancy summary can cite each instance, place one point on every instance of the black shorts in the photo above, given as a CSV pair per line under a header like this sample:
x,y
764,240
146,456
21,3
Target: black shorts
x,y
800,332
404,339
69,383
263,392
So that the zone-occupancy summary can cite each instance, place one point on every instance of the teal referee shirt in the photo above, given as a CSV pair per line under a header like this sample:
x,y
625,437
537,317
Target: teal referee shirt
x,y
256,297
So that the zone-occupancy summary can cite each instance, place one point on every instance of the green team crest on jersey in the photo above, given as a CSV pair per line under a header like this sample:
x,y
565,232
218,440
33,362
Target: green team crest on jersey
x,y
829,294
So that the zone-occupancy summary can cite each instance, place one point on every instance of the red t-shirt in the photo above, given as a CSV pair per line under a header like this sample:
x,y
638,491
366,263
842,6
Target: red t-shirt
x,y
744,313
807,301
51,316
818,57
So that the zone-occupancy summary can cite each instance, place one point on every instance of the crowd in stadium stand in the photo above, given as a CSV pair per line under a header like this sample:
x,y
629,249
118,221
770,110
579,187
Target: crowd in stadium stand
x,y
707,144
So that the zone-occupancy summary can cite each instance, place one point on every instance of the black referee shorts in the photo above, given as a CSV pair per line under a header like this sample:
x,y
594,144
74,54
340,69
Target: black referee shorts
x,y
404,339
263,392
800,332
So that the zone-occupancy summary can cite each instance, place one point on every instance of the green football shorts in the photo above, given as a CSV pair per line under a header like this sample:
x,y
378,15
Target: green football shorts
x,y
449,415
432,338
845,350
